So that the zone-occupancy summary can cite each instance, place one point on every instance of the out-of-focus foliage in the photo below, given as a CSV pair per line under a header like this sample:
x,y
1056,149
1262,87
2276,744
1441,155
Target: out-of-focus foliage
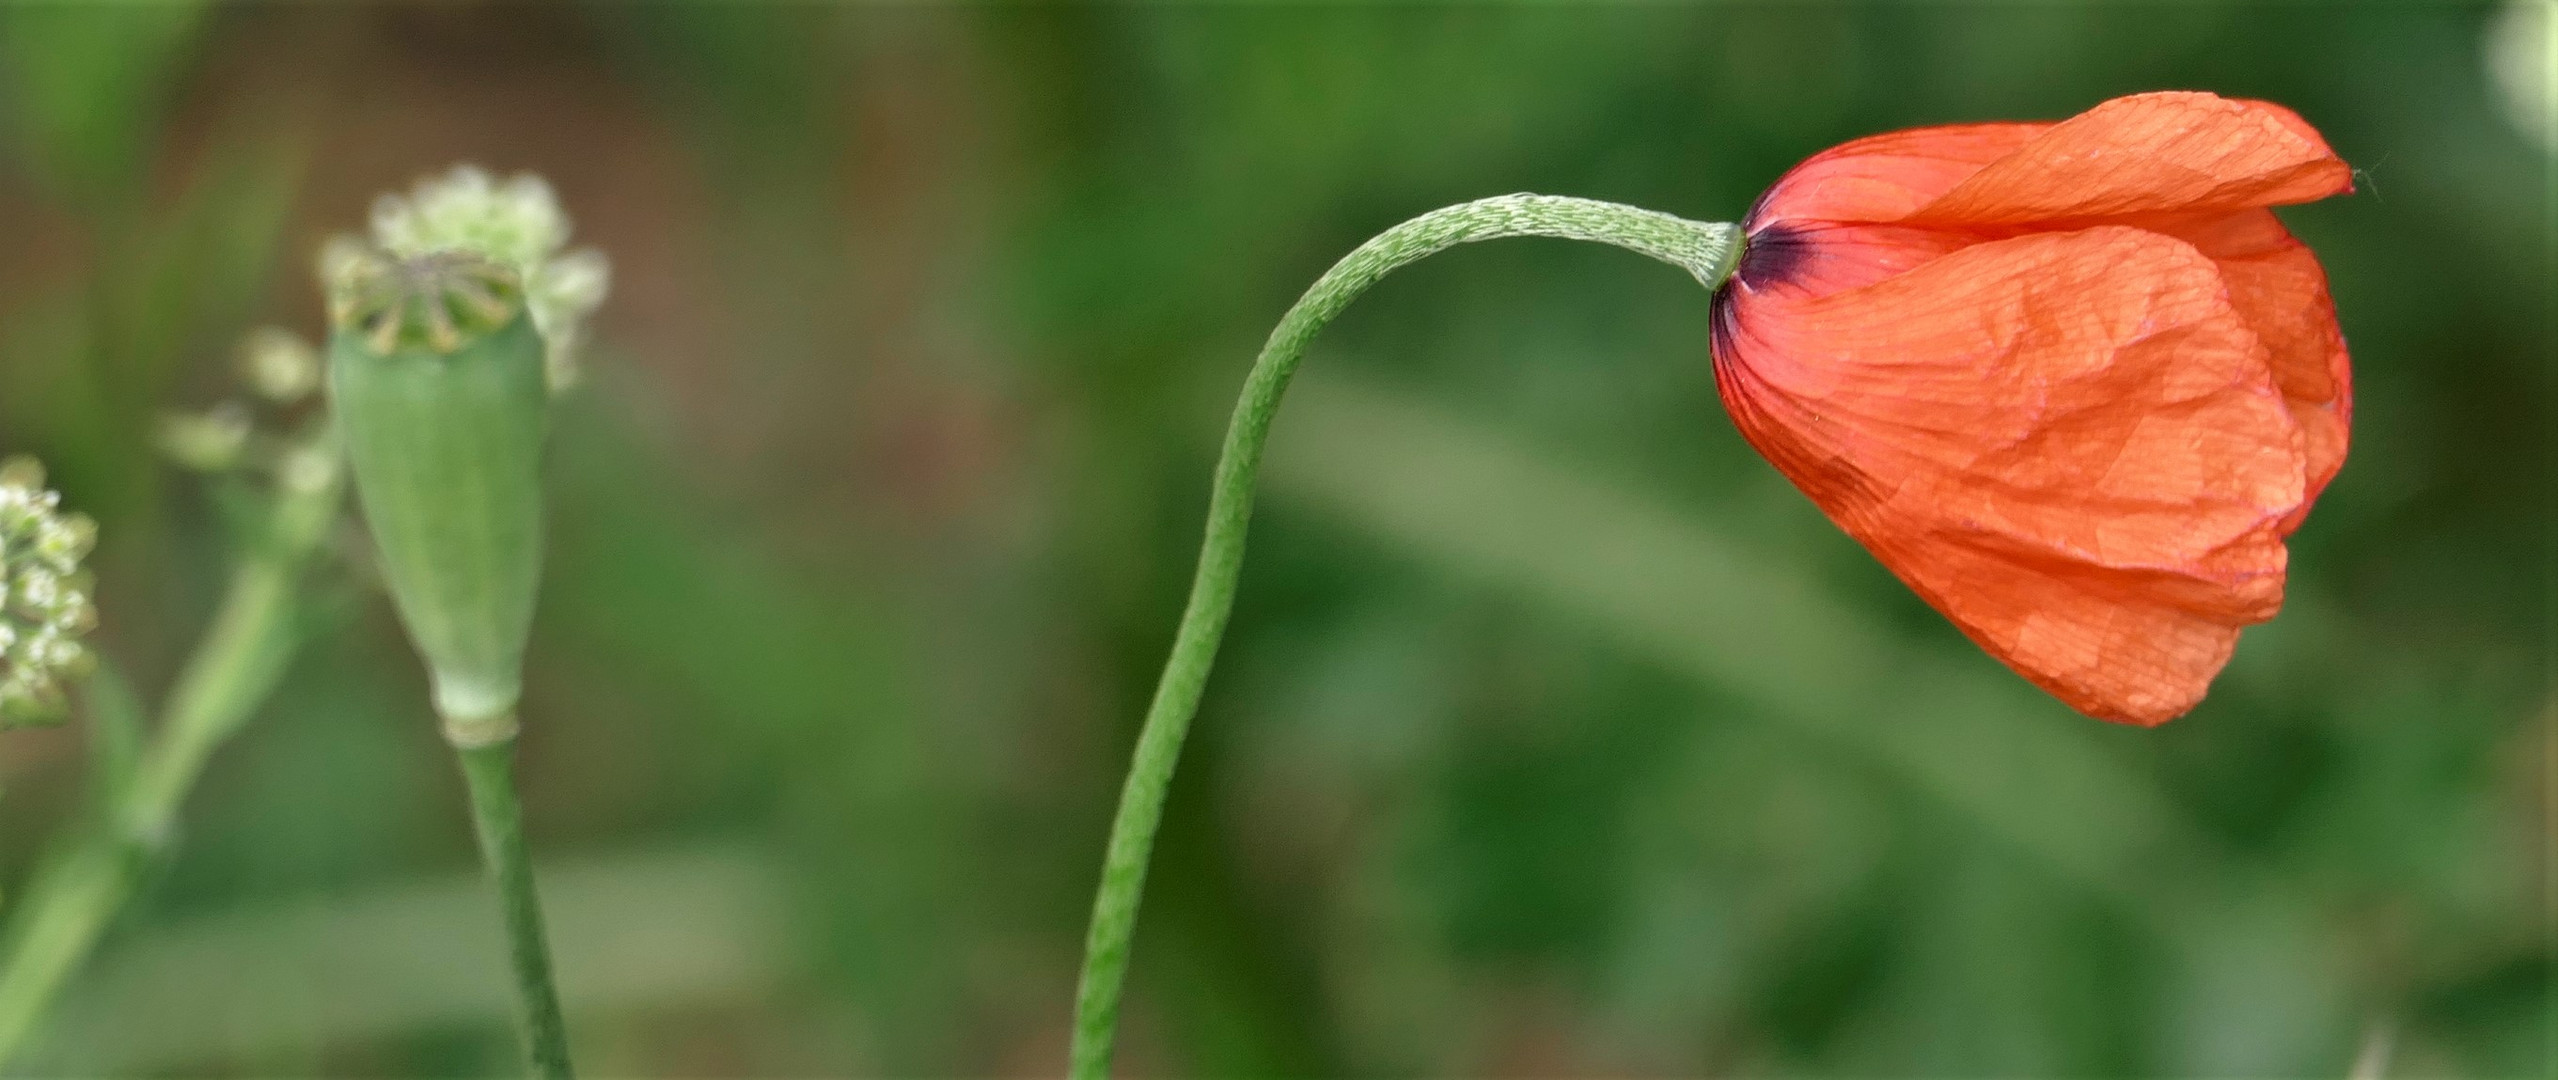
x,y
1555,733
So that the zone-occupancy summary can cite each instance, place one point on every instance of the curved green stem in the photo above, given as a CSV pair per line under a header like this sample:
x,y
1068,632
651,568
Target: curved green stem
x,y
489,769
1709,252
81,885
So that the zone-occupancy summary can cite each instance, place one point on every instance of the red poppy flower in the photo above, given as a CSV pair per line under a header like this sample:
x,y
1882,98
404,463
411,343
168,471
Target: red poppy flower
x,y
2072,382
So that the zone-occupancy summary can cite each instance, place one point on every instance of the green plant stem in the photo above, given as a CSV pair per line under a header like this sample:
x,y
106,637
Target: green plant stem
x,y
87,878
489,769
1709,252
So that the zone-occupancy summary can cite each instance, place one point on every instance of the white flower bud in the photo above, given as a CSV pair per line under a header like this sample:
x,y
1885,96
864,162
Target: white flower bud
x,y
278,365
209,441
308,468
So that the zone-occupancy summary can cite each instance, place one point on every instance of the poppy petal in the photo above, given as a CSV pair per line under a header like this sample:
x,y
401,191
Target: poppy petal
x,y
2276,283
1887,177
1819,258
2071,444
2174,152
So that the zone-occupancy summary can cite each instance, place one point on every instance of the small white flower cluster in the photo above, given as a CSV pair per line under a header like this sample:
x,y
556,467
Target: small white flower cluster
x,y
44,596
281,369
518,224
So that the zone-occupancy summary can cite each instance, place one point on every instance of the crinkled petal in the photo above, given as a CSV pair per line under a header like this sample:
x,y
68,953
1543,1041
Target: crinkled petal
x,y
1887,177
2172,152
2072,444
2276,284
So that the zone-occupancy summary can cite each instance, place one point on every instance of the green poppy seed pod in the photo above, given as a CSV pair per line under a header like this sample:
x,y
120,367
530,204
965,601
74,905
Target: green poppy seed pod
x,y
436,374
518,223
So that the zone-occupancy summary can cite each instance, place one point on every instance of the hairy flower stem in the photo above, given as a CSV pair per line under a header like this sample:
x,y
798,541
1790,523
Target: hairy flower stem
x,y
75,893
1709,252
489,769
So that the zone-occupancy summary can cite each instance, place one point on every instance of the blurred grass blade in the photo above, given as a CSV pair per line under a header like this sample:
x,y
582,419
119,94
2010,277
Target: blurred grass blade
x,y
1953,727
85,364
646,930
83,86
1674,590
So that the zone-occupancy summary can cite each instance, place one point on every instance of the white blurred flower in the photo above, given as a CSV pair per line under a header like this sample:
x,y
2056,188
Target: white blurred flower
x,y
278,365
211,441
2521,52
517,223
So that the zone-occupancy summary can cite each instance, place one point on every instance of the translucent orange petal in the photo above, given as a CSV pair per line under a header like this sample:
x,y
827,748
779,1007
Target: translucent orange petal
x,y
2275,282
1806,259
2148,153
2071,443
1889,176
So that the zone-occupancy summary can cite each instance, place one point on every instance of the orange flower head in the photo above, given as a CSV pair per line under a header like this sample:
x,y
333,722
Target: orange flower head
x,y
2072,382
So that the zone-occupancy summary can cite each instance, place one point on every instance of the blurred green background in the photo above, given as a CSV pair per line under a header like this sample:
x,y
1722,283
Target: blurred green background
x,y
1555,734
